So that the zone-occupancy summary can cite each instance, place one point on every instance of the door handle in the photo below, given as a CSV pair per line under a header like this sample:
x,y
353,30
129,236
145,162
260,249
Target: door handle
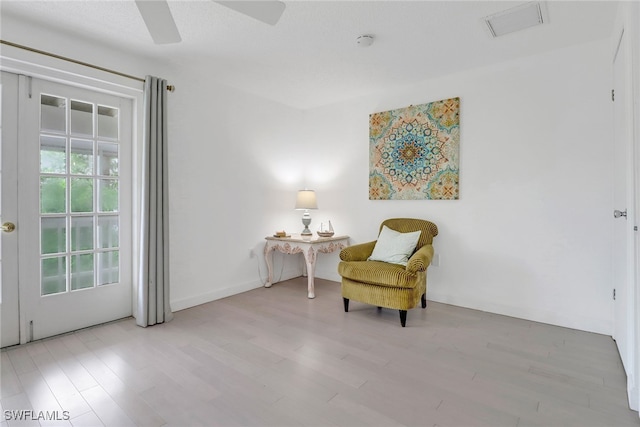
x,y
618,214
8,227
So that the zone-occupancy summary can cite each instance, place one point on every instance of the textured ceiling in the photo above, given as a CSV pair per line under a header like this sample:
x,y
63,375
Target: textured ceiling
x,y
310,58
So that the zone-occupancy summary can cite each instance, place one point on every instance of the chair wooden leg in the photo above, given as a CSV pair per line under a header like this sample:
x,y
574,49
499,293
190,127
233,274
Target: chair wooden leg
x,y
424,300
403,317
346,304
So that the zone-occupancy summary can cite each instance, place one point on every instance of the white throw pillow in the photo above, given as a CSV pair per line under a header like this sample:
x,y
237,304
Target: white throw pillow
x,y
394,247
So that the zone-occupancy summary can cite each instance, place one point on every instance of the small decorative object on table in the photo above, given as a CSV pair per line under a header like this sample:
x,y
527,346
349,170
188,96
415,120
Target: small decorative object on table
x,y
325,232
281,234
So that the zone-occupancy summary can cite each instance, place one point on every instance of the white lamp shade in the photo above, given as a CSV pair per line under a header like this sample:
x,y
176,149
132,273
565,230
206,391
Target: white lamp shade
x,y
306,200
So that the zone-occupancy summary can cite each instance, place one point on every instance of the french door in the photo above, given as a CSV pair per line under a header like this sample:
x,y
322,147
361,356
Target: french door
x,y
74,208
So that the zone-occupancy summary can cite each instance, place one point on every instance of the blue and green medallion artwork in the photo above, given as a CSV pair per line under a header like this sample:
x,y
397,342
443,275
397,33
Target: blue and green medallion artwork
x,y
413,152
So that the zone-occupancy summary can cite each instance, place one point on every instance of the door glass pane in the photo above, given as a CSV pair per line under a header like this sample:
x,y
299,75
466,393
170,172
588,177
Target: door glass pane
x,y
53,195
107,159
54,275
53,154
108,195
53,114
82,271
108,267
53,237
80,222
107,122
81,157
81,118
81,195
81,233
108,232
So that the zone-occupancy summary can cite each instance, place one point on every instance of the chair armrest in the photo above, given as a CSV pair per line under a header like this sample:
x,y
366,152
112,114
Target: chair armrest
x,y
359,252
421,259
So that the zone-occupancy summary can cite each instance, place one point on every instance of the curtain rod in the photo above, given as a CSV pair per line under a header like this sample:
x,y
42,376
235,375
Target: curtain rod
x,y
170,88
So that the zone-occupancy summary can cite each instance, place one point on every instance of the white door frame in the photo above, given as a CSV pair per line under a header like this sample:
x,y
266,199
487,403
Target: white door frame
x,y
631,13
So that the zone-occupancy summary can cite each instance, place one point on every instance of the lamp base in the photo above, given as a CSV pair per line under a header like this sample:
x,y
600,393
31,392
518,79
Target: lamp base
x,y
306,220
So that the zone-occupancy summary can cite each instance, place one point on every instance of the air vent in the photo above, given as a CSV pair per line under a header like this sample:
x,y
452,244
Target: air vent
x,y
516,19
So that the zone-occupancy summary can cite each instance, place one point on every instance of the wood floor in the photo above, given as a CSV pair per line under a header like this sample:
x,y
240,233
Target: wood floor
x,y
272,357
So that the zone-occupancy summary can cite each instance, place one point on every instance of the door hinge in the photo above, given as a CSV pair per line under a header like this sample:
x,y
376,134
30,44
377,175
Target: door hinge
x,y
613,95
614,294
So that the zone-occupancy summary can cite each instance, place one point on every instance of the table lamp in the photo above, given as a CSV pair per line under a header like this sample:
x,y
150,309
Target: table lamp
x,y
306,200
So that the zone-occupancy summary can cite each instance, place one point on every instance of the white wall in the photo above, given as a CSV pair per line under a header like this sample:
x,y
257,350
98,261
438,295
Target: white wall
x,y
530,235
234,168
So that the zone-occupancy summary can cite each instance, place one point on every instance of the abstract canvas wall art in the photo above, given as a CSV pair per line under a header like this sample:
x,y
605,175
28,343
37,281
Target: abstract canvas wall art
x,y
413,152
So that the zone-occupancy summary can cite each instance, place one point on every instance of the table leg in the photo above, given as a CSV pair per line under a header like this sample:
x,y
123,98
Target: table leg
x,y
268,257
310,262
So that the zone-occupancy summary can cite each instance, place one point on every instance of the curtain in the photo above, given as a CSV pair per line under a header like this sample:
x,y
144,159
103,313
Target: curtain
x,y
153,292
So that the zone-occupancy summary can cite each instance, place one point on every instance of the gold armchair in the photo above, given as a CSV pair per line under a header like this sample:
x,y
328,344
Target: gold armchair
x,y
385,284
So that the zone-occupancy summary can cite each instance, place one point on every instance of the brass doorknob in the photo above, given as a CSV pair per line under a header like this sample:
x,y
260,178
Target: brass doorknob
x,y
8,227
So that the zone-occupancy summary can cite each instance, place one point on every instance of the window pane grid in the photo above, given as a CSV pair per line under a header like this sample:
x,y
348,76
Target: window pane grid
x,y
79,195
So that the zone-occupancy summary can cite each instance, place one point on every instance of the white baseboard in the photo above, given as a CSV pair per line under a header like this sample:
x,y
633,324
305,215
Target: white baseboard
x,y
328,275
587,324
219,293
634,395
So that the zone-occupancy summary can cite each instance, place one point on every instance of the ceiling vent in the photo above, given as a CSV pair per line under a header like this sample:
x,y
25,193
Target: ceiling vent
x,y
517,18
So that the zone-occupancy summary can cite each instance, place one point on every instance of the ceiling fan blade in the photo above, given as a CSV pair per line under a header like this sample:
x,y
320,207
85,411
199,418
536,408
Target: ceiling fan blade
x,y
267,11
159,21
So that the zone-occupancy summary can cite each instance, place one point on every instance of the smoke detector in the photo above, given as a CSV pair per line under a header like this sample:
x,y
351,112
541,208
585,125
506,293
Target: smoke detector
x,y
517,18
364,40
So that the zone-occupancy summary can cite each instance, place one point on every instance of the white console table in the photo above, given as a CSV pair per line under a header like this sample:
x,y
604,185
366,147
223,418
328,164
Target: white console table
x,y
309,246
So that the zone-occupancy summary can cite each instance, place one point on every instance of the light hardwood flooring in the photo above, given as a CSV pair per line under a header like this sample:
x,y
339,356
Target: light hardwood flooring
x,y
272,357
